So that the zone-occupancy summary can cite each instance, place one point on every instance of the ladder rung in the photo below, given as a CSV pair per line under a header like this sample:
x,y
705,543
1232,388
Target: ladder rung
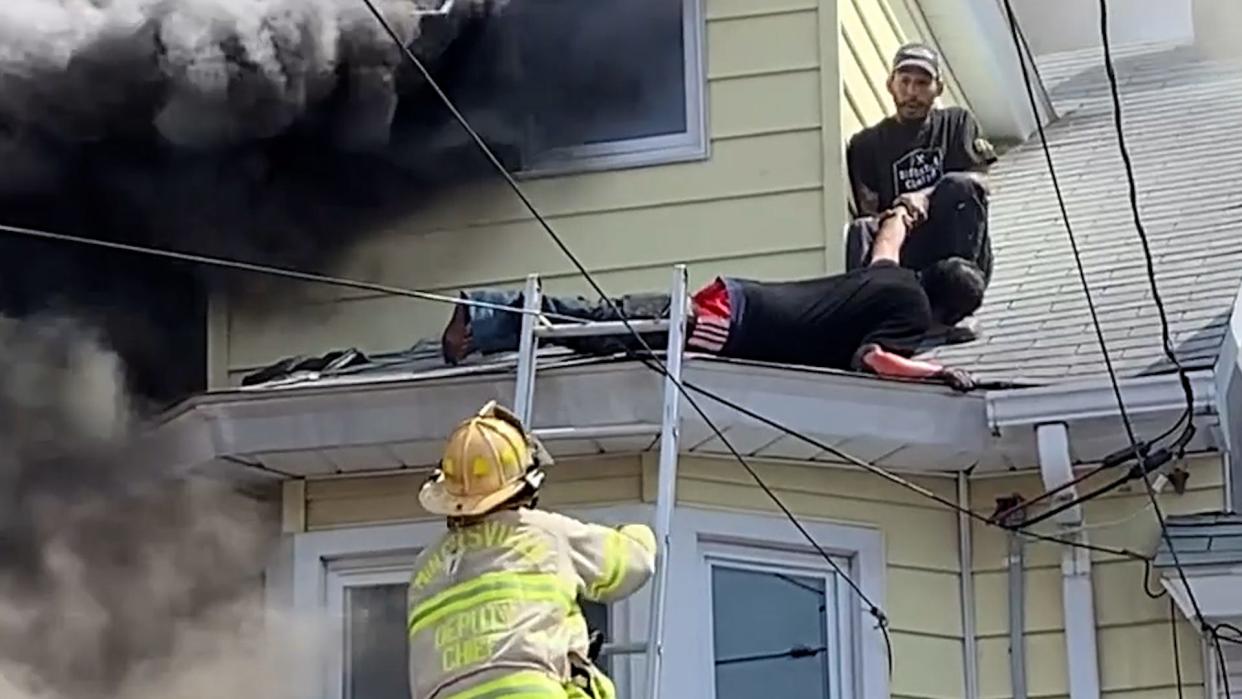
x,y
637,429
601,328
623,649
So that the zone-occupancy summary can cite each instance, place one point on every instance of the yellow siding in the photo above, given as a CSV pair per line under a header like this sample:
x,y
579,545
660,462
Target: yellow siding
x,y
1134,641
756,207
351,501
920,541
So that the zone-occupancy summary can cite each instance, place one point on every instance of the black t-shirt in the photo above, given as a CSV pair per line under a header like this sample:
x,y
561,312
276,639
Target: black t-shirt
x,y
825,321
892,158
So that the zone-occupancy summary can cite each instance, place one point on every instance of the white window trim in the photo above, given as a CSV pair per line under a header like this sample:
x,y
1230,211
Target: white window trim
x,y
308,572
693,144
698,534
765,559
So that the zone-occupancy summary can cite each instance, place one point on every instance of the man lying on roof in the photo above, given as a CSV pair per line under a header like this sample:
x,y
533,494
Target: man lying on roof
x,y
869,319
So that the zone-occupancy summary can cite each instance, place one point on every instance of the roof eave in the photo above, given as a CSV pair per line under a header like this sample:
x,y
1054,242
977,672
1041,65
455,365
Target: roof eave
x,y
399,424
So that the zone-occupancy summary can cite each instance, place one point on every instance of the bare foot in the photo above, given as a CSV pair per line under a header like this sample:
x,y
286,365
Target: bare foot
x,y
456,342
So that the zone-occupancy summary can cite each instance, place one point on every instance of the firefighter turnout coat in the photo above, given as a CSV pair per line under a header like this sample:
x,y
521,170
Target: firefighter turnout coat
x,y
493,608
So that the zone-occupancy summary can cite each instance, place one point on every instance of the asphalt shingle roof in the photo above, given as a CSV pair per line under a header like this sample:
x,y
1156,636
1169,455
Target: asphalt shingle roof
x,y
1181,113
1202,539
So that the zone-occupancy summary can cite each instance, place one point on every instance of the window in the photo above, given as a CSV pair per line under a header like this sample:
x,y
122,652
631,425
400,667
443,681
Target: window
x,y
368,597
753,611
769,633
358,576
774,624
373,641
612,83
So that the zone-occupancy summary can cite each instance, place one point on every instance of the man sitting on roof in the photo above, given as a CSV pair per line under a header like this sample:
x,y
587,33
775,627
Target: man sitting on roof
x,y
869,319
936,160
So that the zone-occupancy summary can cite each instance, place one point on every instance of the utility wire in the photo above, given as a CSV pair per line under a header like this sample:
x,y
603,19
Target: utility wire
x,y
1015,31
797,652
1135,449
875,611
276,271
1177,652
684,387
904,483
1115,91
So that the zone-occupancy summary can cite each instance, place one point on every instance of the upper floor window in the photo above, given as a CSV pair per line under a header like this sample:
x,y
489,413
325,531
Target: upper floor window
x,y
643,56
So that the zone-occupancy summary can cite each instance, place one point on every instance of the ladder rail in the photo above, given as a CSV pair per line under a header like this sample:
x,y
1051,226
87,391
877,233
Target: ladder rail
x,y
669,430
528,351
667,480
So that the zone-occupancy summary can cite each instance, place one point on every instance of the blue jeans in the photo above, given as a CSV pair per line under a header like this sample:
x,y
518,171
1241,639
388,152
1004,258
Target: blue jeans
x,y
498,331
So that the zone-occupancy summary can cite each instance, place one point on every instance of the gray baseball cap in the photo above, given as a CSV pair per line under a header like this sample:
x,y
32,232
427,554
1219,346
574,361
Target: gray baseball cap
x,y
920,56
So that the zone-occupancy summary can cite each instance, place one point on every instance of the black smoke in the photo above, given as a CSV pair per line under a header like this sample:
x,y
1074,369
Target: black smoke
x,y
271,131
110,567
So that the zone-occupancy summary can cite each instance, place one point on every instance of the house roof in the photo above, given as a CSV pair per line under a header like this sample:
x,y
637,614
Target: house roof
x,y
1177,109
1210,539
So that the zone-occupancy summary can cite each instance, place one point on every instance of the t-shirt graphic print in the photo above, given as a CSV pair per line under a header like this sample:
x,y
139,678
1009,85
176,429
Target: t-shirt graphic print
x,y
918,169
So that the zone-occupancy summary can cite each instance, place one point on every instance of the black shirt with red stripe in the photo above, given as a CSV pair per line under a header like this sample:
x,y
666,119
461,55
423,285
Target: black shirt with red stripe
x,y
826,321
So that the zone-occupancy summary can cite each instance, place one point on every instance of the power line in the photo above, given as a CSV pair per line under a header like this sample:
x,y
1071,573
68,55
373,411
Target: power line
x,y
269,270
904,483
647,361
1136,450
874,609
797,652
1166,336
1069,229
658,366
1177,652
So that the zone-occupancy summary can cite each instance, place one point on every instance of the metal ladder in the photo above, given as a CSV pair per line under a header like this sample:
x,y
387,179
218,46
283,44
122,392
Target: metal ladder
x,y
534,328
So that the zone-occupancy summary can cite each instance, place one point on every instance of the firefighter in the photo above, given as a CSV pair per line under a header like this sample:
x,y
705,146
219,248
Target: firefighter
x,y
493,605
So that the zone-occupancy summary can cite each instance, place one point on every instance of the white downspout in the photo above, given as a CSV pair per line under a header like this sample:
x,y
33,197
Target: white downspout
x,y
1082,661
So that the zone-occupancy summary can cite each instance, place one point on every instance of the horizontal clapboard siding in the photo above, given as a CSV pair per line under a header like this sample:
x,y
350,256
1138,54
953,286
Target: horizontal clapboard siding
x,y
1134,641
920,539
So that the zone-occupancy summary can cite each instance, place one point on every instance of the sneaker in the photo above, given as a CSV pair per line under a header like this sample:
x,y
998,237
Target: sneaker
x,y
455,343
966,330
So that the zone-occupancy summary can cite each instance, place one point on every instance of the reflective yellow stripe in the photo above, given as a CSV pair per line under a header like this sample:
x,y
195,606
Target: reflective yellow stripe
x,y
490,587
519,685
614,566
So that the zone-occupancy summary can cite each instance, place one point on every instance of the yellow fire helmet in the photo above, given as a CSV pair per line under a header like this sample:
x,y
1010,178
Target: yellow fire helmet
x,y
487,460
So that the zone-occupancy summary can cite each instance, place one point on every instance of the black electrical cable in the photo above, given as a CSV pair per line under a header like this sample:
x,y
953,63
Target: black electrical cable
x,y
269,270
651,362
1132,186
1069,230
882,473
1166,336
1136,449
1177,653
1223,667
1235,631
293,274
796,652
875,611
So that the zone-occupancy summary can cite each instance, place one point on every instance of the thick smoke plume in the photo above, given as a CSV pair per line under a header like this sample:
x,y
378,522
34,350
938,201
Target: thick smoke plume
x,y
117,579
274,131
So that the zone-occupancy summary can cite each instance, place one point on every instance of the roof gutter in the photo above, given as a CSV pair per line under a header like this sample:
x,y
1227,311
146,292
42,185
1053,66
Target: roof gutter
x,y
1144,396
